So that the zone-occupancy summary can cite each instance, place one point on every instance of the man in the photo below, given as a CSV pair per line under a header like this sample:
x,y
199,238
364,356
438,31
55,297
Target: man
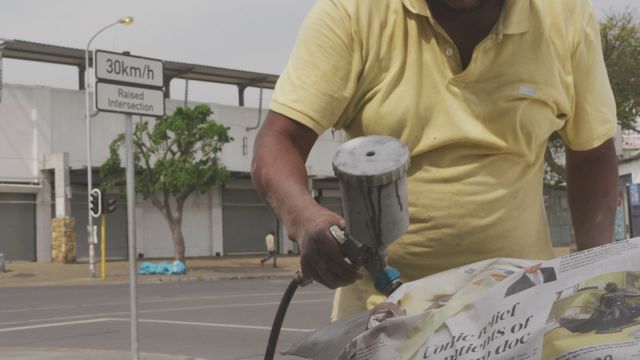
x,y
533,275
270,243
474,88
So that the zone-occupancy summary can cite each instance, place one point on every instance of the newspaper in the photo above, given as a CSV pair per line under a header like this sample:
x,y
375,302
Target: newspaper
x,y
584,305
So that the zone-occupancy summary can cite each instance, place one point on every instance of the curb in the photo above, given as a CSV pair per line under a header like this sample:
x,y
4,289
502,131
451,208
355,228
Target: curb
x,y
211,278
141,280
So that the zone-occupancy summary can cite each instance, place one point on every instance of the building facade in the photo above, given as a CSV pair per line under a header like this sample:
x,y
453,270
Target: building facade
x,y
43,174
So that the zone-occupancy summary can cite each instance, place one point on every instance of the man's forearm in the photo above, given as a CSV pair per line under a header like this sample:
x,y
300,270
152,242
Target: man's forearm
x,y
279,171
592,179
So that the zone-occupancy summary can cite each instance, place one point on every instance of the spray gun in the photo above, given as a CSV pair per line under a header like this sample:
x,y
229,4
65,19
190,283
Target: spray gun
x,y
372,172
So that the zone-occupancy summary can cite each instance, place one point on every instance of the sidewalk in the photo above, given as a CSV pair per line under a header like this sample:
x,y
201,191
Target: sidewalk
x,y
24,273
11,353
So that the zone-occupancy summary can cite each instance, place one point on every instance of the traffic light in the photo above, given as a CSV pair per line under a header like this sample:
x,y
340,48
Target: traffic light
x,y
110,206
95,203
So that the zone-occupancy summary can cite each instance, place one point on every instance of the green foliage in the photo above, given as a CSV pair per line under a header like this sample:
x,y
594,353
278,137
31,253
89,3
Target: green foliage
x,y
111,172
176,155
620,35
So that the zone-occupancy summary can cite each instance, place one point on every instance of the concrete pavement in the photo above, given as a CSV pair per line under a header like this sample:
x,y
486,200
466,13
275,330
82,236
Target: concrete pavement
x,y
11,353
23,273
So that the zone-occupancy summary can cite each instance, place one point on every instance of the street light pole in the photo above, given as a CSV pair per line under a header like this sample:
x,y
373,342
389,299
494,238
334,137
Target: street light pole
x,y
90,230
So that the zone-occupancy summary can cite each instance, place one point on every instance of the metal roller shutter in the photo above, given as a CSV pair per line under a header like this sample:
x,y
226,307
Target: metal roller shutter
x,y
18,224
246,220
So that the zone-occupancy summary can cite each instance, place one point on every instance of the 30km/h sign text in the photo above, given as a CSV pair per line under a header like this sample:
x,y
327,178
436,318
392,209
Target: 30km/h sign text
x,y
120,67
129,69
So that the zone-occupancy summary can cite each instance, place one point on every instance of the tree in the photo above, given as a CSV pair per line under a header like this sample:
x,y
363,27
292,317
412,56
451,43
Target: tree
x,y
174,157
620,35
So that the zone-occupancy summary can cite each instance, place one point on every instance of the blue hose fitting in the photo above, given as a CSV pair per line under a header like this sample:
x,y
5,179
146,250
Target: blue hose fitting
x,y
384,279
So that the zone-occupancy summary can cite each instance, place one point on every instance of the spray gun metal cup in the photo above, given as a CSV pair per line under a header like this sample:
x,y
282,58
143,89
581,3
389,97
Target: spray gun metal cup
x,y
373,178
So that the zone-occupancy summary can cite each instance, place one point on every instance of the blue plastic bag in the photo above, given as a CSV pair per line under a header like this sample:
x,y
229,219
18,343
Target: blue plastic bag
x,y
163,268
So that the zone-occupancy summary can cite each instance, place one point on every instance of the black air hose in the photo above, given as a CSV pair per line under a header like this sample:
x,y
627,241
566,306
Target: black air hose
x,y
282,311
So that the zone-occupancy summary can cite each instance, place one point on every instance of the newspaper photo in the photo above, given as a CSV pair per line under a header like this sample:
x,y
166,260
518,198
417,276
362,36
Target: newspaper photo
x,y
585,305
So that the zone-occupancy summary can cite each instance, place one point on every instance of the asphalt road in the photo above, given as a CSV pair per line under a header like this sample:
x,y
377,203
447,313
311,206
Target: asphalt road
x,y
218,320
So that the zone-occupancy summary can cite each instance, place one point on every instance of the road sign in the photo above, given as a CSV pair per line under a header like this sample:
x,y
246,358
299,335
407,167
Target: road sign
x,y
129,99
129,69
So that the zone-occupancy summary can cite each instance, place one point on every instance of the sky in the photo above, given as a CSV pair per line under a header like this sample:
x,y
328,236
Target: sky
x,y
253,35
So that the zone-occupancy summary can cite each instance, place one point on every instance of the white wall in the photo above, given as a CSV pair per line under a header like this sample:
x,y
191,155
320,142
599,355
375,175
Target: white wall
x,y
18,131
154,236
37,120
630,167
216,220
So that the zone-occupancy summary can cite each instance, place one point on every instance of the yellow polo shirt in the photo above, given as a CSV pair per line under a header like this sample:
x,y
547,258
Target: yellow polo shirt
x,y
477,136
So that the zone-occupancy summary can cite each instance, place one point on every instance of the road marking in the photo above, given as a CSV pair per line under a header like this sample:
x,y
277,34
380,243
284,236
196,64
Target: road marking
x,y
52,325
160,311
213,297
67,323
253,327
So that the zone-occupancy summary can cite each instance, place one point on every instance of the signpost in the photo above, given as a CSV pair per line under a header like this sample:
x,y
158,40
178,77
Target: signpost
x,y
130,85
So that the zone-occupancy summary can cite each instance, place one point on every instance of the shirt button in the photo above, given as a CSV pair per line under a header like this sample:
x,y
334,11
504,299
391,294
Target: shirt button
x,y
448,52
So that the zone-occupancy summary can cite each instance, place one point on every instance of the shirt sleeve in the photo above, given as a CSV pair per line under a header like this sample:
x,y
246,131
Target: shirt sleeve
x,y
594,115
321,75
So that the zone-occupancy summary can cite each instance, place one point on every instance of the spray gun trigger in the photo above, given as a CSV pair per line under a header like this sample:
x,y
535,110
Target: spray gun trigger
x,y
338,234
353,250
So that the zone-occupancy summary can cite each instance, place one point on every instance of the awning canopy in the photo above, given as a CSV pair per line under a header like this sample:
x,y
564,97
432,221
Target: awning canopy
x,y
32,51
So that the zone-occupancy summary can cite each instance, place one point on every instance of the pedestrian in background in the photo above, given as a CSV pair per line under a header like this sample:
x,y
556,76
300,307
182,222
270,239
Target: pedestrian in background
x,y
270,242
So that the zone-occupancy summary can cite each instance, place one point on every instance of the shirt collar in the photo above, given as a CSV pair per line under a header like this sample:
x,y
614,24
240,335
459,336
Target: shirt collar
x,y
514,19
516,16
418,7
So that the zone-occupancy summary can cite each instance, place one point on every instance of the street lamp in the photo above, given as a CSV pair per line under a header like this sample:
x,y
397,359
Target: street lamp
x,y
125,21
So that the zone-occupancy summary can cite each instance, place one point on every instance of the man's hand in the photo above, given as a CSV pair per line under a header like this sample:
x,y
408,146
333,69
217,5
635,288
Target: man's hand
x,y
321,258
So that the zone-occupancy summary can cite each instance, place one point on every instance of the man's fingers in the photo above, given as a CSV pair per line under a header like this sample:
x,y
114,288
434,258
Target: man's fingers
x,y
331,274
322,259
317,270
339,278
343,270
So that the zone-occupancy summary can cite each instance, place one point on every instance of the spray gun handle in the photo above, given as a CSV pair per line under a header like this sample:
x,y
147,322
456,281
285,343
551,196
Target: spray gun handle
x,y
352,249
